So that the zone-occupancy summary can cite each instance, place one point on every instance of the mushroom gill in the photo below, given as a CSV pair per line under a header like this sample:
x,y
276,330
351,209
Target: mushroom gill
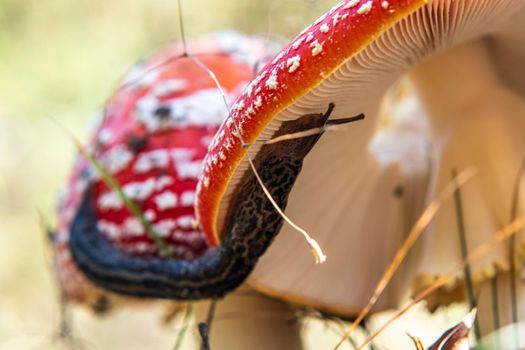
x,y
345,196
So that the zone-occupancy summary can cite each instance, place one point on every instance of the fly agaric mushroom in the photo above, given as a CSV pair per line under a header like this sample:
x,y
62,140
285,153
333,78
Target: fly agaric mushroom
x,y
455,52
152,139
349,57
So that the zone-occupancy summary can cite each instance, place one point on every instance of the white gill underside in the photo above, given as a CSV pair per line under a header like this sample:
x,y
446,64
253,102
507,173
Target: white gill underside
x,y
344,197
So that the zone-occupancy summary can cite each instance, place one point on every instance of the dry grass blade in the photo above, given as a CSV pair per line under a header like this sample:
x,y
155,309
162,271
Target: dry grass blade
x,y
411,239
500,236
512,243
185,325
112,183
320,257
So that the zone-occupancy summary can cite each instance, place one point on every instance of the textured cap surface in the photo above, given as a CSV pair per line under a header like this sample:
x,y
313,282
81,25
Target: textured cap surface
x,y
153,136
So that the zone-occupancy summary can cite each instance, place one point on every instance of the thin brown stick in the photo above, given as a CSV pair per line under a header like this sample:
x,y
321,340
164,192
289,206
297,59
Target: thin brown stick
x,y
312,131
320,257
411,239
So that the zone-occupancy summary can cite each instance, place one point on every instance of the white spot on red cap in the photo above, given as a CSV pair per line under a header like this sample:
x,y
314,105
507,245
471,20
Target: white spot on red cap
x,y
249,88
261,76
109,200
258,102
202,108
116,159
272,81
229,122
316,48
298,42
189,170
142,247
187,198
385,4
166,200
164,227
249,112
365,8
239,105
324,28
133,227
110,229
181,154
163,182
139,190
335,19
105,136
150,215
169,86
309,37
228,144
185,221
147,161
293,63
351,4
205,140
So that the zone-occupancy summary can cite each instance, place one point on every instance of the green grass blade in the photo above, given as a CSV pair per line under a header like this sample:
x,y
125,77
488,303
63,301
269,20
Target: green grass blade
x,y
185,325
112,183
464,253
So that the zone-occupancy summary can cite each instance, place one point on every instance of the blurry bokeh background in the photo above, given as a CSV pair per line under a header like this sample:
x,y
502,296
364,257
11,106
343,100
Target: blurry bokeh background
x,y
61,59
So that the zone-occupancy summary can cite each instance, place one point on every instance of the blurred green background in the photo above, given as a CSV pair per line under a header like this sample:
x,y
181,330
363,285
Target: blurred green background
x,y
61,59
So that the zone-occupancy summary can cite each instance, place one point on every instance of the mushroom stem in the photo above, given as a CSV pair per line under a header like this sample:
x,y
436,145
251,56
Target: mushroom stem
x,y
247,319
253,224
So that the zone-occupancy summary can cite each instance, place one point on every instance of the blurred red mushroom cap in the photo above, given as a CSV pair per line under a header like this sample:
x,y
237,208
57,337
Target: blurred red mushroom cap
x,y
152,138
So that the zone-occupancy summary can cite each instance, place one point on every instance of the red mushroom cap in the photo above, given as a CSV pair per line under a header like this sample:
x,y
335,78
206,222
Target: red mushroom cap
x,y
152,139
302,65
343,196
